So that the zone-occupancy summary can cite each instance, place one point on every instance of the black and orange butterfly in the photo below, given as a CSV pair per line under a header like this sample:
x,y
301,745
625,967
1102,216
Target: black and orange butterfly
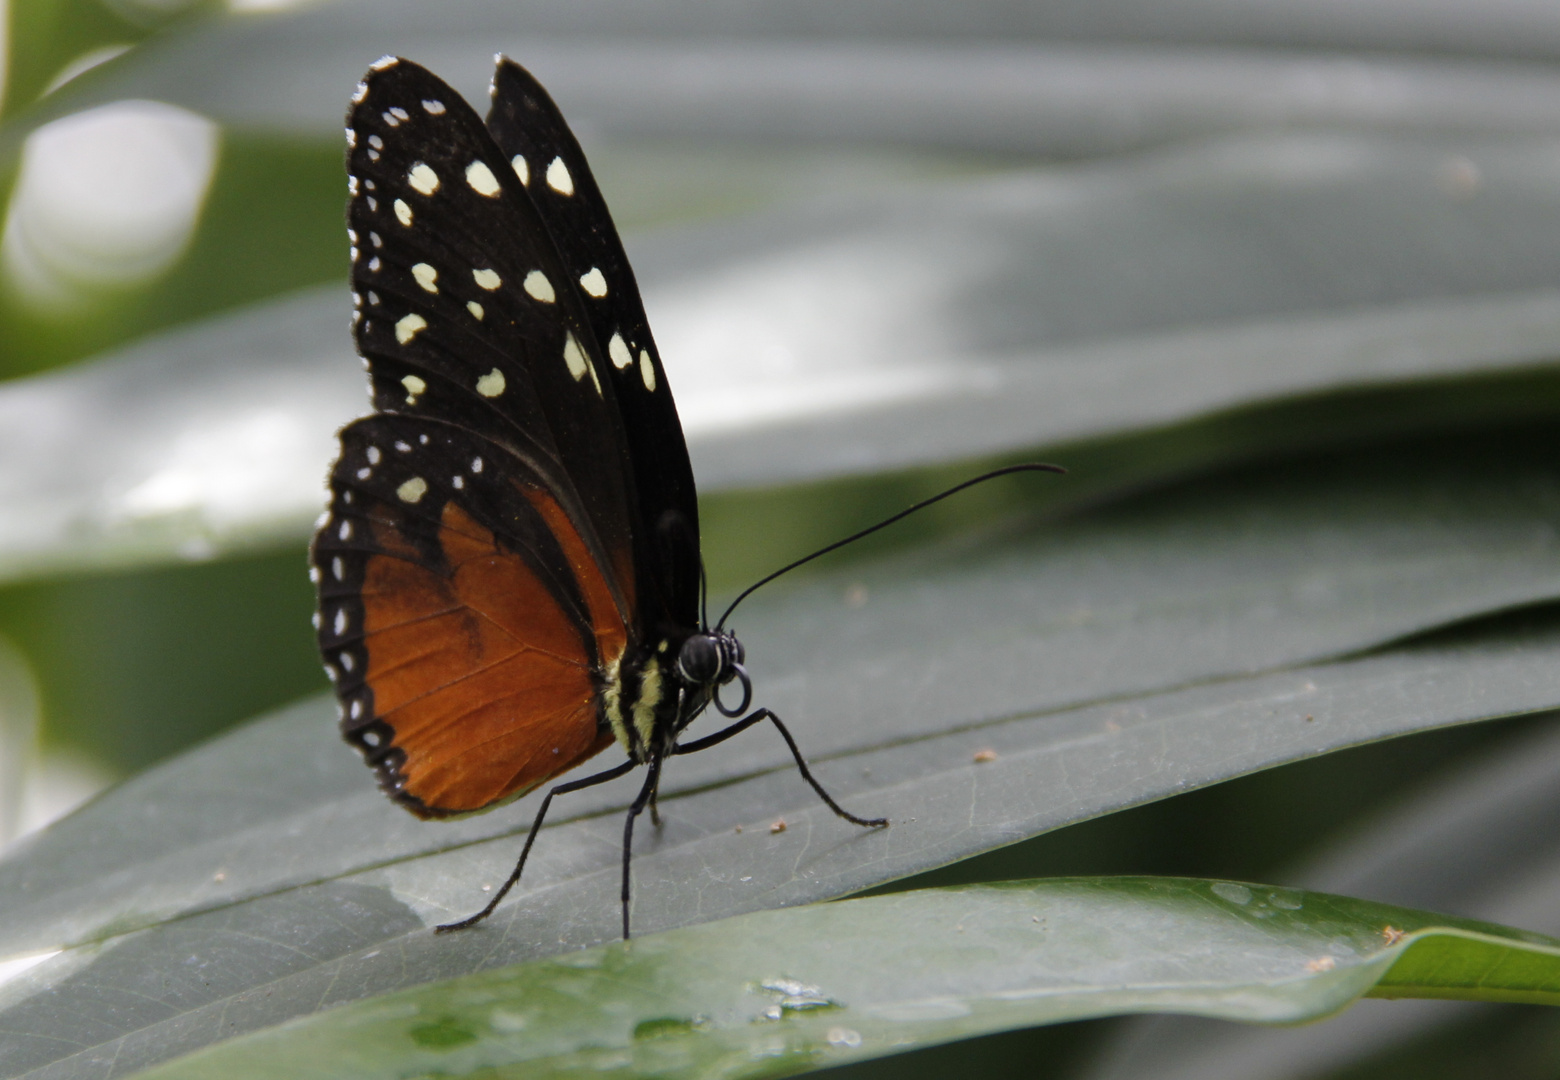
x,y
508,573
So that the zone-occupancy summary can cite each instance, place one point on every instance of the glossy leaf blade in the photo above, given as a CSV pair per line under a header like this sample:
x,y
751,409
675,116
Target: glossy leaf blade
x,y
785,991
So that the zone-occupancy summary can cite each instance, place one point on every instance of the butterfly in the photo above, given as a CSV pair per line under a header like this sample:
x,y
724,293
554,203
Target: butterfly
x,y
508,573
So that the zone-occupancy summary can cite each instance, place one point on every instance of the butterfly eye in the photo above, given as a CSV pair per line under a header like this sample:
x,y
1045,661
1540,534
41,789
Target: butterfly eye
x,y
699,660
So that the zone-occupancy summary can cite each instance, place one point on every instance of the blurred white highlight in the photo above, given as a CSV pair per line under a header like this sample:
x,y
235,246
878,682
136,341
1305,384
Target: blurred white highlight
x,y
35,787
242,6
10,969
83,64
107,199
223,467
799,334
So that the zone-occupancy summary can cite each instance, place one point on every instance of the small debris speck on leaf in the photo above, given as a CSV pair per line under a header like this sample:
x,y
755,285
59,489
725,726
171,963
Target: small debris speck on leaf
x,y
983,756
778,826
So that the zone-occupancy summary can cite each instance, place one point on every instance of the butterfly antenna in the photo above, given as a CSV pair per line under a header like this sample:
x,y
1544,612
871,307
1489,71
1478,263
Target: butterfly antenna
x,y
1033,466
704,594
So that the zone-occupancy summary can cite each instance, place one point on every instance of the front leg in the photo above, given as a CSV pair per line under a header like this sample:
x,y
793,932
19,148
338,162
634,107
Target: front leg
x,y
801,763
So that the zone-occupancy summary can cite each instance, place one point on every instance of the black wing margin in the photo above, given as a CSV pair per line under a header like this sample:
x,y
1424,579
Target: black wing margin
x,y
532,134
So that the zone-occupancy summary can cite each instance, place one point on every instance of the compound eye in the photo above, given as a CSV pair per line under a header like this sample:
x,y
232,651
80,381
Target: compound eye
x,y
699,661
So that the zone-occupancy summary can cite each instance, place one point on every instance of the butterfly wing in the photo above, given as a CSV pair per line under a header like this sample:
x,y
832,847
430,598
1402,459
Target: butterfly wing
x,y
531,132
462,621
476,567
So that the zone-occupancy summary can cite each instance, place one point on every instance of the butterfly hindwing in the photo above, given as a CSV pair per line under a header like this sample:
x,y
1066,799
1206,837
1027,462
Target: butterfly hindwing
x,y
465,311
532,134
461,616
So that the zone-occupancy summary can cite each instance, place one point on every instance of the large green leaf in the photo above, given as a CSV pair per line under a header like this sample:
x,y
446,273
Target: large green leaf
x,y
1009,77
240,939
1059,335
777,993
1212,582
1477,839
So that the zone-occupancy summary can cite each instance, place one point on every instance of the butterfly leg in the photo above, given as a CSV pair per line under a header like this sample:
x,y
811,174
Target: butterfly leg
x,y
801,762
561,789
646,794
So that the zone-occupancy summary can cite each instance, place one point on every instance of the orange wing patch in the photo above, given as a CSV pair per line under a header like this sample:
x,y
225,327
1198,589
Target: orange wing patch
x,y
484,680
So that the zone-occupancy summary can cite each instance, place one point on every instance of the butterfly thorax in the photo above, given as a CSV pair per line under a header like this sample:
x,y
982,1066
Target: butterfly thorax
x,y
654,691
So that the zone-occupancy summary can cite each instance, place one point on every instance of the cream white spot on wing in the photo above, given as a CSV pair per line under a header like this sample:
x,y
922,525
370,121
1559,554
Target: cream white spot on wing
x,y
433,107
373,455
373,298
373,204
475,309
385,61
345,532
491,384
522,170
375,239
423,179
617,352
647,370
426,276
376,142
480,179
414,386
359,92
476,464
364,473
340,626
352,186
338,569
558,177
539,287
574,357
330,672
403,446
373,265
357,709
594,282
487,279
403,213
459,482
315,620
351,137
412,490
409,326
314,574
347,661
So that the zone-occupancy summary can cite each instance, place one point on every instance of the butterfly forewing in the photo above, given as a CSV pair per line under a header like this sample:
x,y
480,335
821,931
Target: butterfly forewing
x,y
531,133
464,309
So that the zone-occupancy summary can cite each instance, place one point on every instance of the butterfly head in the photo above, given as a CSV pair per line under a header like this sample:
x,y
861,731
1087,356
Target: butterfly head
x,y
710,658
